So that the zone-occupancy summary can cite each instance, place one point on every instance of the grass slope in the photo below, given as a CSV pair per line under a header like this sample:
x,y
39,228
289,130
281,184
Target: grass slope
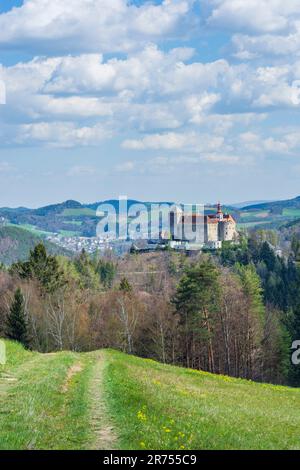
x,y
43,406
164,407
108,399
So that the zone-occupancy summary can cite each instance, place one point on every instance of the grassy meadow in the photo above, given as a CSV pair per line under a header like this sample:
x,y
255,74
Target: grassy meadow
x,y
106,399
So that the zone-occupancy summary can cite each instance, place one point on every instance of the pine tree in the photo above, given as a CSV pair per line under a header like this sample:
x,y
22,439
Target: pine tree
x,y
125,286
254,320
86,269
107,272
43,267
196,301
16,324
252,288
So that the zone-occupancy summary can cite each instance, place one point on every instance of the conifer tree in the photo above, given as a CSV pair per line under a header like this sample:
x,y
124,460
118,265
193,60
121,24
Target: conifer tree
x,y
43,267
196,301
125,286
106,271
16,325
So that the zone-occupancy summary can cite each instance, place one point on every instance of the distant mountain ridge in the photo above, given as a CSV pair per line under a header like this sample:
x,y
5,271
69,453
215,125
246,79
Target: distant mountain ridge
x,y
291,203
69,218
244,204
72,218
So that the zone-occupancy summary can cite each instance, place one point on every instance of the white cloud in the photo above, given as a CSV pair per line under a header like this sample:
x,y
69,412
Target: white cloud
x,y
283,142
130,93
107,69
170,141
176,141
150,70
167,164
252,47
164,99
198,105
61,134
76,106
149,91
86,25
276,146
259,27
254,15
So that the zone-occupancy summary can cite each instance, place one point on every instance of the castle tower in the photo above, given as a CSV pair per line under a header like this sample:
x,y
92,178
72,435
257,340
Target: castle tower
x,y
220,215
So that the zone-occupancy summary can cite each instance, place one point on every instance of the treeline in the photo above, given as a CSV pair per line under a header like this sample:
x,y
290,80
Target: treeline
x,y
233,313
280,281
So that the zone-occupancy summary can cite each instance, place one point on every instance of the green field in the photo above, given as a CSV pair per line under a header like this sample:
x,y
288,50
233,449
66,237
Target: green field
x,y
79,212
73,222
291,212
243,225
69,233
32,229
106,399
255,214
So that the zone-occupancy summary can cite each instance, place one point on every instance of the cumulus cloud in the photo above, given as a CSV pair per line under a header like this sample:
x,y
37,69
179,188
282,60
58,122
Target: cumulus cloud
x,y
104,75
282,142
170,141
188,141
149,70
86,81
176,141
149,91
62,134
86,25
131,93
252,47
254,15
259,27
167,164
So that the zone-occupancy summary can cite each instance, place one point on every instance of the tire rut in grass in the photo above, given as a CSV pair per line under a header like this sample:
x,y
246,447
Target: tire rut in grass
x,y
104,436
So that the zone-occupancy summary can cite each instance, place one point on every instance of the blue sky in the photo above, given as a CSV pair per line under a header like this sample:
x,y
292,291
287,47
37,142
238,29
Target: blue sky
x,y
185,100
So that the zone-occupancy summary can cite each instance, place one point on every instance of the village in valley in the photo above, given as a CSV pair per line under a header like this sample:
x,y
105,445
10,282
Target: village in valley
x,y
215,228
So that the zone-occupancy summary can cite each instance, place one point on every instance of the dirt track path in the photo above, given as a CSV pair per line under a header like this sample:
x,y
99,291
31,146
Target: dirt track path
x,y
55,401
104,435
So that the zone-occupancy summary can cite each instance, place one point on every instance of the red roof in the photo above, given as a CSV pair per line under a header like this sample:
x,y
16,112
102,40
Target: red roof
x,y
207,219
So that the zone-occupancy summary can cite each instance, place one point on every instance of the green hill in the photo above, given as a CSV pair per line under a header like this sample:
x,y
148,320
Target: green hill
x,y
276,205
271,215
15,244
106,399
69,217
72,217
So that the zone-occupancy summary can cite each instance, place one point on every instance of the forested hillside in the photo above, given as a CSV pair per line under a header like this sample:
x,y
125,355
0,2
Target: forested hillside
x,y
235,312
16,243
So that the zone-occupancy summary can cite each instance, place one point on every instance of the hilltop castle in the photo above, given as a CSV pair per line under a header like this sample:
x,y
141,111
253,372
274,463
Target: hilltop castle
x,y
217,227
